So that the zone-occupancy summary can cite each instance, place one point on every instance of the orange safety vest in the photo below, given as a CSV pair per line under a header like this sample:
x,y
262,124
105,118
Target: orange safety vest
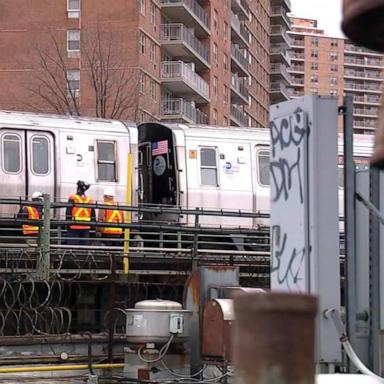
x,y
81,213
112,216
33,214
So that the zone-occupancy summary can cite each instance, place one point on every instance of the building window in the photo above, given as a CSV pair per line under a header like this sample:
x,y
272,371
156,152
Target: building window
x,y
142,43
73,40
225,62
142,6
152,53
73,9
264,176
333,67
215,82
142,83
226,29
314,66
334,43
152,89
333,92
225,91
40,155
315,41
11,153
333,56
314,79
214,117
208,166
314,91
152,11
215,19
333,81
215,53
314,54
73,82
106,160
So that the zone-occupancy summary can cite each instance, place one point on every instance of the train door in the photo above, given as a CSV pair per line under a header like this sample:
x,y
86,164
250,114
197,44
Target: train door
x,y
145,173
40,164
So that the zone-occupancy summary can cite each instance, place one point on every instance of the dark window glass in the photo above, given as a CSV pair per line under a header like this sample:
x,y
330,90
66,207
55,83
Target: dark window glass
x,y
11,153
106,160
264,174
40,155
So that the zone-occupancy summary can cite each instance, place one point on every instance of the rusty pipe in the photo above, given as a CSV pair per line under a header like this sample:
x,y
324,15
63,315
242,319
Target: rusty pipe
x,y
274,338
363,23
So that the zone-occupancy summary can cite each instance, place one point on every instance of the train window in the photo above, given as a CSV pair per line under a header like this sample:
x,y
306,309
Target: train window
x,y
264,174
11,153
40,155
106,161
208,166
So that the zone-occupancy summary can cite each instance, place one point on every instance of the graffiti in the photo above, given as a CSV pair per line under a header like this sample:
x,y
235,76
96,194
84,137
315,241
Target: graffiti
x,y
286,166
287,265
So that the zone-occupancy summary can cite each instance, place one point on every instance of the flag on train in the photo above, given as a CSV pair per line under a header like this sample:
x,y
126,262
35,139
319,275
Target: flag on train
x,y
160,148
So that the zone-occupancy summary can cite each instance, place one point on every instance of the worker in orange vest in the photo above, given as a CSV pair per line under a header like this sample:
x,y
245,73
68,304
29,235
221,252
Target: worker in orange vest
x,y
31,212
79,234
110,216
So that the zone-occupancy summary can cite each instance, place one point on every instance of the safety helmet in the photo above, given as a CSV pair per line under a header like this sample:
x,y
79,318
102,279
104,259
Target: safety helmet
x,y
109,192
37,195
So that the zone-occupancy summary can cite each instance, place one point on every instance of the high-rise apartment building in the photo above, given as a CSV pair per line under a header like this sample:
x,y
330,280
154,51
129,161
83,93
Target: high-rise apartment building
x,y
193,61
335,66
279,52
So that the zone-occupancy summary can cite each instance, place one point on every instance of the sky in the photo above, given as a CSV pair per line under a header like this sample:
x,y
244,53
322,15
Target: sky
x,y
327,13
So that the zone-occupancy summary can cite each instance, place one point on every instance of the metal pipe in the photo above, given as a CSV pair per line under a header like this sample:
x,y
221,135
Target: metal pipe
x,y
52,368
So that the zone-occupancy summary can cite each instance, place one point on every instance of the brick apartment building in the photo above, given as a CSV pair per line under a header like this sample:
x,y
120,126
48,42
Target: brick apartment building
x,y
193,61
335,66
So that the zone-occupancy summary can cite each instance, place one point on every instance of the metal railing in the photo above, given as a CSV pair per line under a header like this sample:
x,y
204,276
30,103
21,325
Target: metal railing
x,y
298,55
194,7
296,68
239,28
354,48
364,123
239,57
280,11
363,74
180,70
363,62
239,116
176,107
280,68
239,87
178,32
365,111
367,99
298,42
280,31
363,87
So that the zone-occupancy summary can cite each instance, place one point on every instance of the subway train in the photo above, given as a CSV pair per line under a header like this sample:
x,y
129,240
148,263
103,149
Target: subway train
x,y
177,165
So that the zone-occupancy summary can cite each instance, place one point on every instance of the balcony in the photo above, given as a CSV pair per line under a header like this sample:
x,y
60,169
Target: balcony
x,y
240,7
279,91
298,56
369,124
280,13
181,79
280,54
181,111
239,92
280,70
367,99
187,12
296,93
279,34
366,112
358,87
182,43
359,50
239,34
369,75
238,117
298,43
239,62
296,68
297,81
366,62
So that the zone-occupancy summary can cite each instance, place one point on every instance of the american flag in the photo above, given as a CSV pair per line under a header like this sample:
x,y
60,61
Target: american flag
x,y
160,148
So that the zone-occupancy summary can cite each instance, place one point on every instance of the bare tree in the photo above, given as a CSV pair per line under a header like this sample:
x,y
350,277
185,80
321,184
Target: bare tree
x,y
111,84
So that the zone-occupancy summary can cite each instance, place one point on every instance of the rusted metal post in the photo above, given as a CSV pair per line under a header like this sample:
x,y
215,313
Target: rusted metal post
x,y
274,338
